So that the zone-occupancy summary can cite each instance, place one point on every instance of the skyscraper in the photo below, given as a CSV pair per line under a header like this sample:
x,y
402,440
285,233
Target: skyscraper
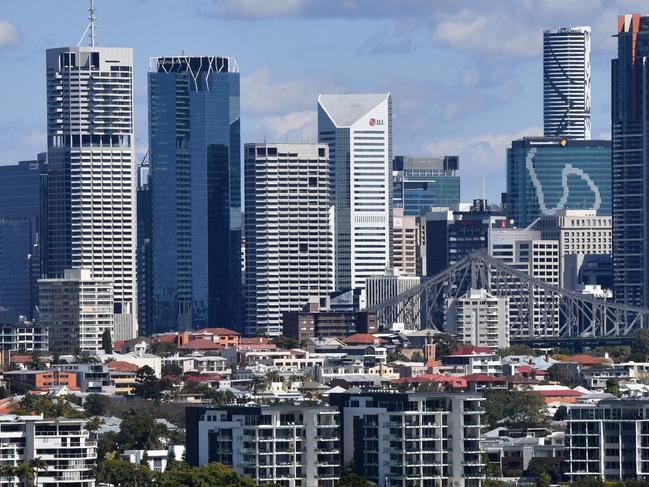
x,y
91,171
194,143
144,264
566,82
630,158
358,129
546,175
289,231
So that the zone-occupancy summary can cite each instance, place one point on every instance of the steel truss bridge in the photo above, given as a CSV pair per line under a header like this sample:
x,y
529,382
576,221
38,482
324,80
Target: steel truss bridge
x,y
537,309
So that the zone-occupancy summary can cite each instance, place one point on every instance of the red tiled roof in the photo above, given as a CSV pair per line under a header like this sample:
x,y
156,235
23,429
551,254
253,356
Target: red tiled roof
x,y
121,366
362,338
454,381
254,341
118,344
585,359
559,393
217,331
470,349
200,344
203,378
20,359
483,378
169,338
524,369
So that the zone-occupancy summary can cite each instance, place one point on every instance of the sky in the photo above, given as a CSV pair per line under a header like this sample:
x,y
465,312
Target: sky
x,y
465,75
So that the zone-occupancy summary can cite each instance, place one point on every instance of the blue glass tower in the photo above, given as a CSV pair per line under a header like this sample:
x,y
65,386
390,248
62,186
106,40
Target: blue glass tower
x,y
424,182
195,164
548,174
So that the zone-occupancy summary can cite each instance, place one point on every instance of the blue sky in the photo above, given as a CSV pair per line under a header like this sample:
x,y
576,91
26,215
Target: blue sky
x,y
465,75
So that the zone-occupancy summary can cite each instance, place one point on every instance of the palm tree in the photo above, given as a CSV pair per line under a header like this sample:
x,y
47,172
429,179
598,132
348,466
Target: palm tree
x,y
37,465
25,473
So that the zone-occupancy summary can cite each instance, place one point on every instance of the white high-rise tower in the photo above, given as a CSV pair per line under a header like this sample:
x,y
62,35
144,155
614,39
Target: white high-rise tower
x,y
358,129
91,171
566,82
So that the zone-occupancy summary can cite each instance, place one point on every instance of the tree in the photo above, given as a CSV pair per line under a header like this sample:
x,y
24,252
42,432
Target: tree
x,y
139,431
285,342
521,408
163,349
640,343
613,387
210,475
417,357
172,369
517,350
97,405
37,465
559,373
351,479
35,363
106,341
148,385
124,473
561,414
445,344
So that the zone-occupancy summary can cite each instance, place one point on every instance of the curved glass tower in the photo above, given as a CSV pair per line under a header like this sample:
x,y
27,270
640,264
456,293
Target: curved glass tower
x,y
566,82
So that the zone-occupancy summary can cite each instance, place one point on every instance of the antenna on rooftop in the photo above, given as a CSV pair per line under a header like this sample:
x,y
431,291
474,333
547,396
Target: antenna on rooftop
x,y
91,25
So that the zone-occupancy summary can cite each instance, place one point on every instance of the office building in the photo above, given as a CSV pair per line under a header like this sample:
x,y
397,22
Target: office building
x,y
358,130
580,233
293,446
608,440
289,231
629,126
418,439
566,82
314,321
424,182
195,164
524,250
406,245
547,175
144,258
91,201
21,235
64,444
76,310
479,318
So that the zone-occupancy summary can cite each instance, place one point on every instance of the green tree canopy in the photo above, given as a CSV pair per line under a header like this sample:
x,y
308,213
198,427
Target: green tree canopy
x,y
97,405
522,408
139,431
285,342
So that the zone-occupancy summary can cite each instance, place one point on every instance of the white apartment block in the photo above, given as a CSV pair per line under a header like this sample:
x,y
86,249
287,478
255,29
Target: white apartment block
x,y
479,319
526,251
64,444
289,231
608,440
405,244
91,171
76,310
579,233
24,336
292,446
412,439
358,130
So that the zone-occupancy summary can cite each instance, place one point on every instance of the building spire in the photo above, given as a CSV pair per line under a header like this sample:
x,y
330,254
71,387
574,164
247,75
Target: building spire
x,y
92,19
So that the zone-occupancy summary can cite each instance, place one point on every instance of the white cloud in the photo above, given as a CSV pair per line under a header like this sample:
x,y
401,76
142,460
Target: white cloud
x,y
294,126
9,36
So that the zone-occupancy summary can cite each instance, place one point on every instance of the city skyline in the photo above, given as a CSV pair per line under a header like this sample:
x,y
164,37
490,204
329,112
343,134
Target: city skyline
x,y
281,80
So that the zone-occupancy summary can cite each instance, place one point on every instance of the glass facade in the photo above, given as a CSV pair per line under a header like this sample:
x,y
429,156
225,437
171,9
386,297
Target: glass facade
x,y
545,175
424,182
196,192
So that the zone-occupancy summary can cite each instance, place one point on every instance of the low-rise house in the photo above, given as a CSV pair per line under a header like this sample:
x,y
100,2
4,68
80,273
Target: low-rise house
x,y
93,378
124,376
41,379
157,460
475,360
223,336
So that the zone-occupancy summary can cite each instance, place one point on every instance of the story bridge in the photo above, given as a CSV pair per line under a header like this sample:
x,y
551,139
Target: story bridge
x,y
538,311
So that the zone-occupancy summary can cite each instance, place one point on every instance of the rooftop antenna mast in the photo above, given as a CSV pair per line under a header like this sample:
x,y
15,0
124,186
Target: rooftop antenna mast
x,y
91,25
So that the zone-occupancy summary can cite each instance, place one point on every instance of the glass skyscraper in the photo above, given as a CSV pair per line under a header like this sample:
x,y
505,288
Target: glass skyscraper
x,y
425,182
630,125
195,163
548,174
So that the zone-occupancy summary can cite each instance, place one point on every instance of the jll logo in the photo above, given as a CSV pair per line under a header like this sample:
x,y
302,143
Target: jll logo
x,y
374,121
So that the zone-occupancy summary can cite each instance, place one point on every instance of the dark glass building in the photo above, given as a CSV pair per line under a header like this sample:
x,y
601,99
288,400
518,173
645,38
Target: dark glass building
x,y
143,253
548,174
424,182
21,193
194,131
629,125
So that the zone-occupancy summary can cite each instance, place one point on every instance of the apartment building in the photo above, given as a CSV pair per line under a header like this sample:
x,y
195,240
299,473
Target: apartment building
x,y
65,445
292,446
405,248
416,439
479,318
608,440
24,336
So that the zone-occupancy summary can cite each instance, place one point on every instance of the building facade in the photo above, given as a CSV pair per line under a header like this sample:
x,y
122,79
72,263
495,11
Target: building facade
x,y
479,319
24,336
608,440
289,231
406,245
358,130
549,174
630,156
144,252
76,310
566,82
424,182
195,164
91,202
415,439
580,233
293,446
21,232
65,445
